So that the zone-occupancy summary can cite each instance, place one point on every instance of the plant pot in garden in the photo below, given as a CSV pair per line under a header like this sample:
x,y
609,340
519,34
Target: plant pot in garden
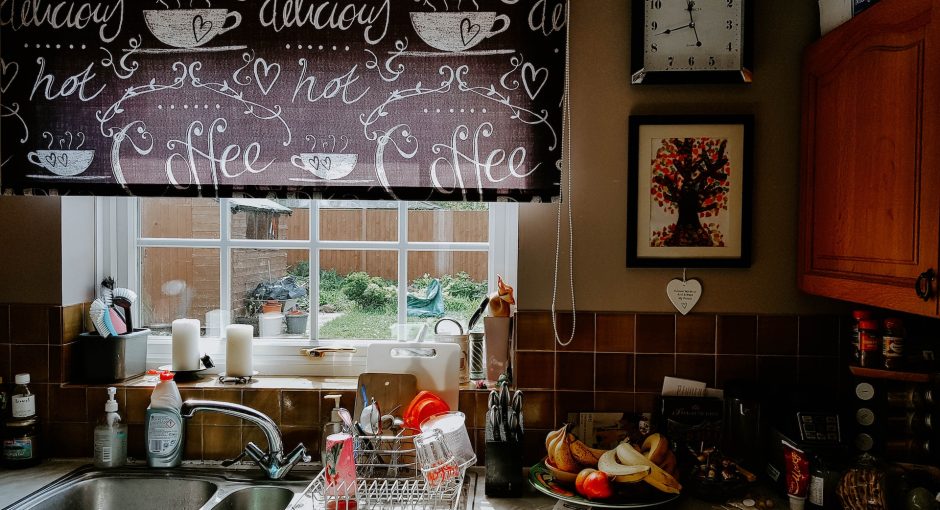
x,y
297,323
271,306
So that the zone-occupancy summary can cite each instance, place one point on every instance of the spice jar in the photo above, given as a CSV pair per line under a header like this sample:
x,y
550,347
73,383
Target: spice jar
x,y
858,316
869,341
892,342
21,443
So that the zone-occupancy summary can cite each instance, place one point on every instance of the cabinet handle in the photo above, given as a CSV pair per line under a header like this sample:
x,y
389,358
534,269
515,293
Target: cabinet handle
x,y
924,285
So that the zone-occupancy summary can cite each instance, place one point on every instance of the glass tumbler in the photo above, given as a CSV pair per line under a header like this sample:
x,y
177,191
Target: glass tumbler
x,y
437,464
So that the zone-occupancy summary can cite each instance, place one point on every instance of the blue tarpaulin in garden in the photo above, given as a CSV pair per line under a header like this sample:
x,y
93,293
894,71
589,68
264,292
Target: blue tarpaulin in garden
x,y
430,306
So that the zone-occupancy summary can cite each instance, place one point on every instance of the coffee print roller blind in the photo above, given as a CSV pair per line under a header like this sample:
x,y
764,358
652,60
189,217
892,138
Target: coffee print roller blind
x,y
371,99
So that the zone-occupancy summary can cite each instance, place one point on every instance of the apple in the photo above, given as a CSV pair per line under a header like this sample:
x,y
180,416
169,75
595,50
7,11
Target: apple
x,y
579,481
596,486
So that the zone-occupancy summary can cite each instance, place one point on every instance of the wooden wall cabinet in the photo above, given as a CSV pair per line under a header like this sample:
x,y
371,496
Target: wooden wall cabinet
x,y
870,180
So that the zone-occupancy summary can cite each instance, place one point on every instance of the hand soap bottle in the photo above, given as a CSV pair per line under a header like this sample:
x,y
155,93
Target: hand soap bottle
x,y
165,430
335,425
110,436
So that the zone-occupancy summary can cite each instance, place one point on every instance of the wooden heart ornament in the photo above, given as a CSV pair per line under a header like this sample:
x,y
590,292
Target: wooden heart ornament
x,y
684,294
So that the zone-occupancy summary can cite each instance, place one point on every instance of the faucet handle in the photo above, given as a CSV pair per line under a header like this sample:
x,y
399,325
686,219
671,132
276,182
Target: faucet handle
x,y
227,463
300,452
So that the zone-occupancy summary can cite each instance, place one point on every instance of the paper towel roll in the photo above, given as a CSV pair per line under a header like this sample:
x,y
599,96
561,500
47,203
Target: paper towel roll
x,y
238,350
185,344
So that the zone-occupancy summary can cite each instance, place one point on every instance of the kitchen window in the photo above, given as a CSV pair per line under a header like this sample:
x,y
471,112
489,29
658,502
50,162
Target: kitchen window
x,y
304,273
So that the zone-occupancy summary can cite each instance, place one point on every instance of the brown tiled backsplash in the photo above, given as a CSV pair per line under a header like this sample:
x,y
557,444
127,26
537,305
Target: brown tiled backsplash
x,y
616,362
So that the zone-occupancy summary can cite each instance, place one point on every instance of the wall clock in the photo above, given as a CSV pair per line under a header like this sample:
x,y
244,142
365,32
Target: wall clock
x,y
692,41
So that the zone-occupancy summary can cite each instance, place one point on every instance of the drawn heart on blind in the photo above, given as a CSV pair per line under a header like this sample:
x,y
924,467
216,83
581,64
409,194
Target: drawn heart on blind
x,y
11,68
318,164
201,28
533,79
54,161
270,72
684,294
468,31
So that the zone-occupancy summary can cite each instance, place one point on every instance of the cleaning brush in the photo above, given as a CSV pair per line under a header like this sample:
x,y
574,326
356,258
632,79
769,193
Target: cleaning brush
x,y
101,318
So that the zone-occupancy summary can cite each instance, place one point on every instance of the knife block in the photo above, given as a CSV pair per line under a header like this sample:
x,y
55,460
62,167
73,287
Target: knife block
x,y
504,469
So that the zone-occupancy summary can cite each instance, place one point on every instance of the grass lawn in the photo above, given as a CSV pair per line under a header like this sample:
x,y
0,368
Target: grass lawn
x,y
359,324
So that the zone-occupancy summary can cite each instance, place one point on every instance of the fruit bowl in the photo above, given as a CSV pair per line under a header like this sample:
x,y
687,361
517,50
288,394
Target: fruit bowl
x,y
627,496
565,477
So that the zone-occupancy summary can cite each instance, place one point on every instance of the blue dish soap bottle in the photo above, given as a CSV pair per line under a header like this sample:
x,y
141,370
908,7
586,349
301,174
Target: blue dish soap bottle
x,y
165,429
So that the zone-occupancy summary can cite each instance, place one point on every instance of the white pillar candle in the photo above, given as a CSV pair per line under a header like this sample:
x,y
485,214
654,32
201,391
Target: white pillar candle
x,y
238,350
186,344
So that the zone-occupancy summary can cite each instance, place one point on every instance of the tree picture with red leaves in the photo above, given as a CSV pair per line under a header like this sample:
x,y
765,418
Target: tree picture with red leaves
x,y
689,190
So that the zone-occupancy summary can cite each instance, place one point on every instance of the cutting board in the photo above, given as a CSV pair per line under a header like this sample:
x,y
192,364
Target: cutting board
x,y
389,390
436,366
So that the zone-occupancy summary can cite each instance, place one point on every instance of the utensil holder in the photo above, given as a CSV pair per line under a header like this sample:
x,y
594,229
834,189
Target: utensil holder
x,y
112,359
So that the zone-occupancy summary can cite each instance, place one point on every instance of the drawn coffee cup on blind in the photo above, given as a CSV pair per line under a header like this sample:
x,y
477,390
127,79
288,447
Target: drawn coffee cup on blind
x,y
66,161
331,165
457,31
189,28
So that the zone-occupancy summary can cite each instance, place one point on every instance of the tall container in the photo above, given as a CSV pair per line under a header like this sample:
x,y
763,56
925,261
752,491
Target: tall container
x,y
165,431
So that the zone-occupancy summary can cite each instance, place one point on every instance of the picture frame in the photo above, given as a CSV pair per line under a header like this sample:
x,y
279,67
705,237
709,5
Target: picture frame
x,y
686,209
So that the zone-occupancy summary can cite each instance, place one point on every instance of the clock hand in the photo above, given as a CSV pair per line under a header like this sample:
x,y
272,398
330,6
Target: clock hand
x,y
671,30
691,8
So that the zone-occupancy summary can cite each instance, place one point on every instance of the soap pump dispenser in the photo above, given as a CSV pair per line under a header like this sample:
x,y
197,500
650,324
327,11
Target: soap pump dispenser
x,y
110,436
335,425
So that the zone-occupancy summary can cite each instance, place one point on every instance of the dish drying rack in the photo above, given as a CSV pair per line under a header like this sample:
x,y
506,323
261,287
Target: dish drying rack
x,y
387,477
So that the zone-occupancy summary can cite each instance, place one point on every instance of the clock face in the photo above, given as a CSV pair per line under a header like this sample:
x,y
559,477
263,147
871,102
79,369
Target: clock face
x,y
693,35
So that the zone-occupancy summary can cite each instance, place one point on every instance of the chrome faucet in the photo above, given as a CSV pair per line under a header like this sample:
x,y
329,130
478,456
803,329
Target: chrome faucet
x,y
274,464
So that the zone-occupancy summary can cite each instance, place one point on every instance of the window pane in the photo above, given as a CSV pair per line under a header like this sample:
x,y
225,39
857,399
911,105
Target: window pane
x,y
461,276
179,218
448,222
270,219
358,221
177,283
270,291
358,294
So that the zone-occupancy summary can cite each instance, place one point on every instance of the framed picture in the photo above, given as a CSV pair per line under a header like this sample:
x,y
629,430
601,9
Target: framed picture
x,y
690,191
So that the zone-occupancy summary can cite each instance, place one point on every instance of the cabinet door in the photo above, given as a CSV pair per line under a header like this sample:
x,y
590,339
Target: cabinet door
x,y
870,187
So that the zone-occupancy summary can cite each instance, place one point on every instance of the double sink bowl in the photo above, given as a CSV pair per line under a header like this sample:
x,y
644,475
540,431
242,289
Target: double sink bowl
x,y
139,488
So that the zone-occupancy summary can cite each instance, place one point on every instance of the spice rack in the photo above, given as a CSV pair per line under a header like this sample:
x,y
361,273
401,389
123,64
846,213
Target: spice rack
x,y
387,477
892,375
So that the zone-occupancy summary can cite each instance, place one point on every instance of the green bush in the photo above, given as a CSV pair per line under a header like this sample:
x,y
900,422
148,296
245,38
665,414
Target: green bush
x,y
462,286
370,292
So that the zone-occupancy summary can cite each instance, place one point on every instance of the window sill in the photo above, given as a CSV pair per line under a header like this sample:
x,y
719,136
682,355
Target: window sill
x,y
257,383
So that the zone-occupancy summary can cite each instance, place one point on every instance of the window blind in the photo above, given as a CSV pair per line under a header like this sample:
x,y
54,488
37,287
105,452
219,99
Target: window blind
x,y
368,99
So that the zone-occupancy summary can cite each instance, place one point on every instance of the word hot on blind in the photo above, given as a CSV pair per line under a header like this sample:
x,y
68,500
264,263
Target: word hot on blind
x,y
370,99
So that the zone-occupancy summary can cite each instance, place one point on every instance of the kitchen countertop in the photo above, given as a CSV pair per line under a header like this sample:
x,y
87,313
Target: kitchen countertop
x,y
14,484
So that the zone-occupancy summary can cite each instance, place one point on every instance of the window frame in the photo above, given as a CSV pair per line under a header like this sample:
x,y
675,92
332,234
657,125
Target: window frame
x,y
119,248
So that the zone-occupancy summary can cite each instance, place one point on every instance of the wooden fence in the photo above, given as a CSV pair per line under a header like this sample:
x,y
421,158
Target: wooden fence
x,y
199,268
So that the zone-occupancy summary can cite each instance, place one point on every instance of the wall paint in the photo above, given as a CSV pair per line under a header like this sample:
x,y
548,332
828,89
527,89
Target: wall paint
x,y
602,100
30,256
78,250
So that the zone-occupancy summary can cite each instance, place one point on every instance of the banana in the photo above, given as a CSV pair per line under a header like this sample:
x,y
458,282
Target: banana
x,y
550,448
620,472
658,478
669,464
561,455
582,452
656,447
552,435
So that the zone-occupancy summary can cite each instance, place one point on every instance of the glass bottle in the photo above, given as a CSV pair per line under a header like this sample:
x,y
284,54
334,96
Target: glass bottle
x,y
869,341
892,342
24,400
857,316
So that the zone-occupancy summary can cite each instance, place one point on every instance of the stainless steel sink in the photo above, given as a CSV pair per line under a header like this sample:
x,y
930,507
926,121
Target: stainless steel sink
x,y
257,498
140,488
124,492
